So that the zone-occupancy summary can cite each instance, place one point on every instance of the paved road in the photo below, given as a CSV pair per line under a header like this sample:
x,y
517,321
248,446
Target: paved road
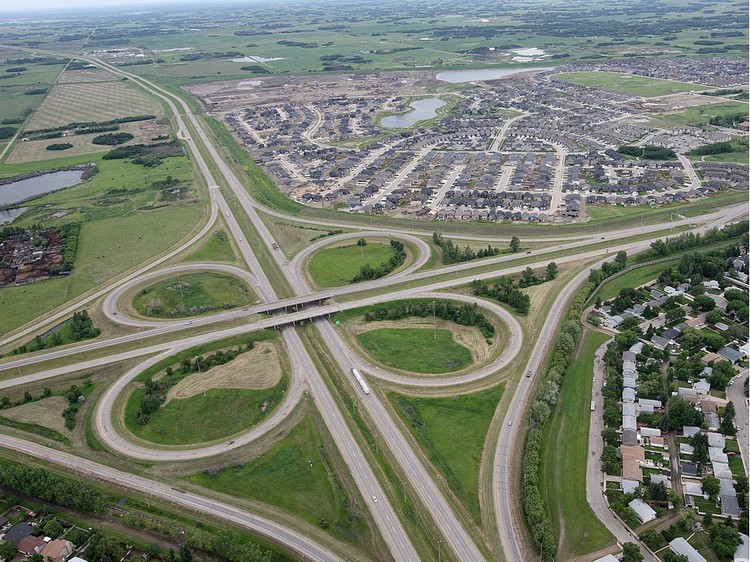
x,y
736,393
594,475
302,545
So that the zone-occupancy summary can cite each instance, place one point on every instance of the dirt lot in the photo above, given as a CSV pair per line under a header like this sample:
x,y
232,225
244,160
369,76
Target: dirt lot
x,y
46,412
467,336
34,150
673,102
254,370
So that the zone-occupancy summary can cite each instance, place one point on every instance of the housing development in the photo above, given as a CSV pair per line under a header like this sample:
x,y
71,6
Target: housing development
x,y
345,281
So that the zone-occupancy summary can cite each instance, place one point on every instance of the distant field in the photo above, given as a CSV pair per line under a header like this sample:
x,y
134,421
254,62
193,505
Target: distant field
x,y
333,267
93,101
627,84
415,349
700,115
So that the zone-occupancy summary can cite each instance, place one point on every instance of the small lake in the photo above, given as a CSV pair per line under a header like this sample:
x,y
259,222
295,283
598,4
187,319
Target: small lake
x,y
421,110
29,188
459,76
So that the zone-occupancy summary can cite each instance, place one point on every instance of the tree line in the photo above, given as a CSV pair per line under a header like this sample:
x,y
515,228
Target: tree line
x,y
503,290
688,240
463,314
453,254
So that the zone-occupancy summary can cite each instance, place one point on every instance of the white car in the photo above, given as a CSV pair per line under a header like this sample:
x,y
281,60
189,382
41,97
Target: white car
x,y
375,499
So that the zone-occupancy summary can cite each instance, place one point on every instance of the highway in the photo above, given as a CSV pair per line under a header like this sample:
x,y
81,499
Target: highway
x,y
304,375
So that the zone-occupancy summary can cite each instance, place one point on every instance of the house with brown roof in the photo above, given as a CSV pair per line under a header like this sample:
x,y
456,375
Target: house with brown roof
x,y
57,550
31,545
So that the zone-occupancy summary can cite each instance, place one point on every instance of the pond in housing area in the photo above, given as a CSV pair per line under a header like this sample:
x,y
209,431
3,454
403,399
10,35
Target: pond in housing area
x,y
421,110
29,188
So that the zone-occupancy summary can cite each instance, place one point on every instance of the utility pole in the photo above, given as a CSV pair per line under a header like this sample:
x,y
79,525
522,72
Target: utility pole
x,y
434,322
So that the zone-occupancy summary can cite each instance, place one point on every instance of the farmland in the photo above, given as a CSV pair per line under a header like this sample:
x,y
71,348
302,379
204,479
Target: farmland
x,y
628,84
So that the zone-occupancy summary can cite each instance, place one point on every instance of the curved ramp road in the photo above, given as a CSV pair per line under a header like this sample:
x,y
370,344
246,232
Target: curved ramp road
x,y
297,542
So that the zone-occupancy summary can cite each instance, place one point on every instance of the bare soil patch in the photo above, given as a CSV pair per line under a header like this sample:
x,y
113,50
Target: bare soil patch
x,y
46,412
254,370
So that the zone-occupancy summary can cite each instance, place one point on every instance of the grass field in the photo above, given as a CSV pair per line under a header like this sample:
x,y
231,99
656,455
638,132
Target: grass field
x,y
333,267
192,294
634,278
452,431
217,248
564,456
415,349
217,414
645,87
700,115
103,253
297,476
91,101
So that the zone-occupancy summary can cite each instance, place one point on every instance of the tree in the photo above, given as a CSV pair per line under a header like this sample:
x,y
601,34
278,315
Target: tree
x,y
185,554
714,341
7,550
361,242
515,244
699,441
611,437
711,487
53,528
652,538
704,303
657,491
631,552
725,539
713,317
727,422
551,270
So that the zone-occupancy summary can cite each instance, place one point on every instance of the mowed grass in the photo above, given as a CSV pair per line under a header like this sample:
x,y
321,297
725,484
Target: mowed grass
x,y
452,432
628,84
635,278
333,267
564,456
192,294
218,414
91,101
217,248
106,248
296,475
415,349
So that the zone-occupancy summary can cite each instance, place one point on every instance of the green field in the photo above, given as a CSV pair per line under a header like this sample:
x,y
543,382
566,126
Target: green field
x,y
437,422
192,294
645,87
217,248
333,267
415,349
296,475
698,116
564,454
634,278
218,414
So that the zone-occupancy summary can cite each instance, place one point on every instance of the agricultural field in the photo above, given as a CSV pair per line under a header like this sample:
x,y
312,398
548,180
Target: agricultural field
x,y
91,102
192,294
415,349
433,422
626,83
335,266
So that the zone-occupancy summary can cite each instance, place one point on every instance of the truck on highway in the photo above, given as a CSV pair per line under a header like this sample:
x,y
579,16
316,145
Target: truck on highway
x,y
361,381
593,405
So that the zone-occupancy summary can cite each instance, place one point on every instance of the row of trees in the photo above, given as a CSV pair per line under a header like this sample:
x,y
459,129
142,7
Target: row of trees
x,y
453,254
367,272
463,314
688,240
547,395
648,152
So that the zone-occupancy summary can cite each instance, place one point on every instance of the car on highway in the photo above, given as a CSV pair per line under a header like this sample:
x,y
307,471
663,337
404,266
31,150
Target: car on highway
x,y
528,374
375,499
188,322
528,252
510,422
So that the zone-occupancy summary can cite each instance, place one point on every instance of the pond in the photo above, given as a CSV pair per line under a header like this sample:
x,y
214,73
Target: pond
x,y
421,110
459,76
29,188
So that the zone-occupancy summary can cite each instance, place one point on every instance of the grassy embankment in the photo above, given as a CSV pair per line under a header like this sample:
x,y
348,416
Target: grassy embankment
x,y
564,457
451,431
